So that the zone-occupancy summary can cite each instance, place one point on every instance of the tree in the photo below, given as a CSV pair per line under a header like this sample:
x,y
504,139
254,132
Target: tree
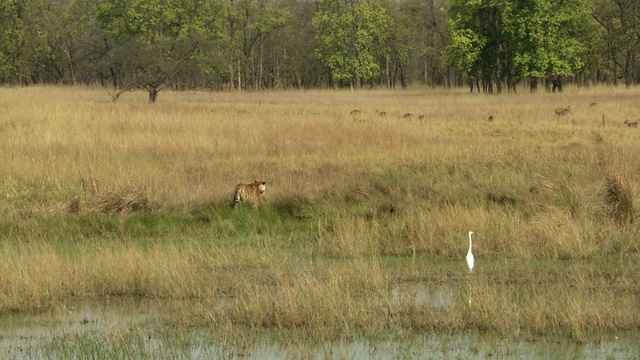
x,y
24,50
548,40
12,36
421,32
153,42
249,23
620,33
520,39
481,22
351,35
294,59
464,53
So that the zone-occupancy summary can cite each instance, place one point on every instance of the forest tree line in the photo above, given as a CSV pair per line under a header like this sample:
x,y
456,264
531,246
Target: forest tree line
x,y
487,45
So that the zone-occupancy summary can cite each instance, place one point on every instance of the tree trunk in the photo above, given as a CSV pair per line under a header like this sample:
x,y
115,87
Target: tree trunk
x,y
73,73
231,74
403,81
153,94
388,74
239,76
627,69
260,66
284,68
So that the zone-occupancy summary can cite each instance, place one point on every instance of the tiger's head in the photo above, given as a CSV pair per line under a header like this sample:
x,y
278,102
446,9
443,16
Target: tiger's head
x,y
262,185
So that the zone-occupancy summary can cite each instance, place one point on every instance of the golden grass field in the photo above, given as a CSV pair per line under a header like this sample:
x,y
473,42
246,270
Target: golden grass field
x,y
101,199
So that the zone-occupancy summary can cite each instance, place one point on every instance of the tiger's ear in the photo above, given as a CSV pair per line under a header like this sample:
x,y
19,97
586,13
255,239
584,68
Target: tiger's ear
x,y
264,183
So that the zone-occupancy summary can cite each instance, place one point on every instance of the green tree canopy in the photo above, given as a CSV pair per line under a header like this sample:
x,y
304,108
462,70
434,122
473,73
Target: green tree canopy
x,y
255,44
165,35
619,35
351,35
24,50
249,23
517,39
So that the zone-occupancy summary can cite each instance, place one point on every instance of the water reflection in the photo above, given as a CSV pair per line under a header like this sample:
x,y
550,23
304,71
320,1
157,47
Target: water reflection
x,y
132,329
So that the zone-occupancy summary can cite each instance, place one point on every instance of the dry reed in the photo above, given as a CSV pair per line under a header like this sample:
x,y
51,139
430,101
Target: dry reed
x,y
618,199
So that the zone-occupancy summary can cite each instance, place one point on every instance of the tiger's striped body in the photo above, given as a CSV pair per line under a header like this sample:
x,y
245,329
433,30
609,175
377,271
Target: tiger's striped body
x,y
248,193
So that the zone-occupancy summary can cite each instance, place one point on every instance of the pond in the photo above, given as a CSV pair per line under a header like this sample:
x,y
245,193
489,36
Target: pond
x,y
133,329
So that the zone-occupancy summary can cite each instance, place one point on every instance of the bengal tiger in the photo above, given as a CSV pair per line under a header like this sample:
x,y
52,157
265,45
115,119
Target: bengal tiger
x,y
248,193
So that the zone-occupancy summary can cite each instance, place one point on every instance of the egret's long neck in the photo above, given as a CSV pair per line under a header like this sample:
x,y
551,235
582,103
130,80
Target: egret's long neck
x,y
469,242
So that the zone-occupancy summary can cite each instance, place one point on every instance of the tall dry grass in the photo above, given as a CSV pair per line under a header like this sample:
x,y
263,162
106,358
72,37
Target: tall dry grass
x,y
129,199
191,146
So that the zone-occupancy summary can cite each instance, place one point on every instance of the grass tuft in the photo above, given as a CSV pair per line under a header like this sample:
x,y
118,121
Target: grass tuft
x,y
618,199
123,201
294,205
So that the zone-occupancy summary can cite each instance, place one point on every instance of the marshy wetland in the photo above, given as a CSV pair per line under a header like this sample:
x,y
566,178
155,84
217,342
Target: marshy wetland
x,y
117,238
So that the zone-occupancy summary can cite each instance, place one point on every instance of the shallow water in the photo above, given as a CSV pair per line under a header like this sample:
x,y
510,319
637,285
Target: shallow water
x,y
132,329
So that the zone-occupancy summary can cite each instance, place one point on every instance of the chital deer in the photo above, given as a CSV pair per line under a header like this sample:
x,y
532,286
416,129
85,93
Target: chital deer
x,y
562,111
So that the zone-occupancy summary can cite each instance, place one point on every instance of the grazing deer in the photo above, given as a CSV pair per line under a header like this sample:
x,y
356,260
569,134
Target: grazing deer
x,y
420,117
631,123
562,111
407,116
381,113
490,118
354,112
593,104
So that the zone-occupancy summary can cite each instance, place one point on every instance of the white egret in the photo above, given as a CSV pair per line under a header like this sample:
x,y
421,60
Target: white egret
x,y
469,254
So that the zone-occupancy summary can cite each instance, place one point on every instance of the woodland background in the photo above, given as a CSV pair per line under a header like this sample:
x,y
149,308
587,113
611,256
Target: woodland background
x,y
486,45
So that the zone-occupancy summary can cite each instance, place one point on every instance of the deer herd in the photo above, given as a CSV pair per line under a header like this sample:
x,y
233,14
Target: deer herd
x,y
562,111
559,111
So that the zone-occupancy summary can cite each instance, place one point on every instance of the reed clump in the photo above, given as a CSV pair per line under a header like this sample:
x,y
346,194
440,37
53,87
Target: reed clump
x,y
618,199
127,200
